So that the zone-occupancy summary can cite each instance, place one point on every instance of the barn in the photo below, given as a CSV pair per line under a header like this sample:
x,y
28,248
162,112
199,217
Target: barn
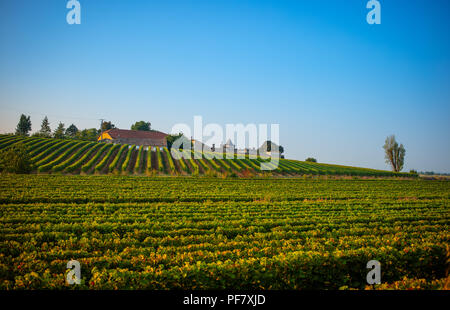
x,y
136,137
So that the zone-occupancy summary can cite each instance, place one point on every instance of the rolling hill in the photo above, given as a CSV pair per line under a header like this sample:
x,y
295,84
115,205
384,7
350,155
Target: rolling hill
x,y
68,156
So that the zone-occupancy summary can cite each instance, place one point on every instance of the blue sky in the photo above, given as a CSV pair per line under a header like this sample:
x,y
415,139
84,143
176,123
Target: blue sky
x,y
336,85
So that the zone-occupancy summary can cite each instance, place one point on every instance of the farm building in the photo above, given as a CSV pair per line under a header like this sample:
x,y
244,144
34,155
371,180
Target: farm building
x,y
136,137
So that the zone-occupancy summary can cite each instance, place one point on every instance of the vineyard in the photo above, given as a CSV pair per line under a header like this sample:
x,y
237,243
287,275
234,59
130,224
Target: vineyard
x,y
132,232
80,157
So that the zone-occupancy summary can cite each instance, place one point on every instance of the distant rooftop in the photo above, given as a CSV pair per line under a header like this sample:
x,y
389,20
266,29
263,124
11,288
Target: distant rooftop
x,y
136,134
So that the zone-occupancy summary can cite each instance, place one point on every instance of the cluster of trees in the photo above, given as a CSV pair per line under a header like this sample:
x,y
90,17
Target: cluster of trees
x,y
61,132
71,132
142,125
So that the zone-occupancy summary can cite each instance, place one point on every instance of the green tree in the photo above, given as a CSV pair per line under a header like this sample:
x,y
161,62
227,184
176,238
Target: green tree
x,y
311,160
142,125
72,131
15,159
394,154
24,126
45,131
172,138
90,134
59,131
107,126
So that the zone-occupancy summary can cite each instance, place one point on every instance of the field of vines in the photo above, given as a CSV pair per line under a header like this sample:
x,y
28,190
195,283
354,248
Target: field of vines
x,y
137,232
54,156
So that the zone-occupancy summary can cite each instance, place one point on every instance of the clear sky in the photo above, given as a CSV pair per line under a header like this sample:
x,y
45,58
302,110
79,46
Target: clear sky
x,y
336,85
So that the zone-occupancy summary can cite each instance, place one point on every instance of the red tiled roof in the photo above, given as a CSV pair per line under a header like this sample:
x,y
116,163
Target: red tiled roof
x,y
135,134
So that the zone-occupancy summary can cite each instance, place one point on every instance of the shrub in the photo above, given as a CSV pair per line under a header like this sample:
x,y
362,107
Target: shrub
x,y
247,173
15,159
311,159
233,175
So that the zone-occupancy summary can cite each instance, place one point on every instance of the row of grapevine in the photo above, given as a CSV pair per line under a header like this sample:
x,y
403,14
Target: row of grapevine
x,y
224,164
32,142
72,159
127,158
95,158
42,147
169,160
41,157
114,163
183,165
214,165
55,154
139,159
102,164
10,140
195,168
77,165
48,166
148,168
251,164
159,160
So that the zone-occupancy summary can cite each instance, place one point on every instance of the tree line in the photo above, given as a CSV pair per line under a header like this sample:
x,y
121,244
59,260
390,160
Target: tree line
x,y
61,132
72,132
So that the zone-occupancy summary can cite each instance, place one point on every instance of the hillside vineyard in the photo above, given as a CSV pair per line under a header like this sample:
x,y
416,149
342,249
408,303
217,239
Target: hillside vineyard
x,y
82,157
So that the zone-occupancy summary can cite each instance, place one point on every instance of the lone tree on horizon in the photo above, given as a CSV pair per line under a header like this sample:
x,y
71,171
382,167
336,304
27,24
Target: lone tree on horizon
x,y
394,154
24,125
